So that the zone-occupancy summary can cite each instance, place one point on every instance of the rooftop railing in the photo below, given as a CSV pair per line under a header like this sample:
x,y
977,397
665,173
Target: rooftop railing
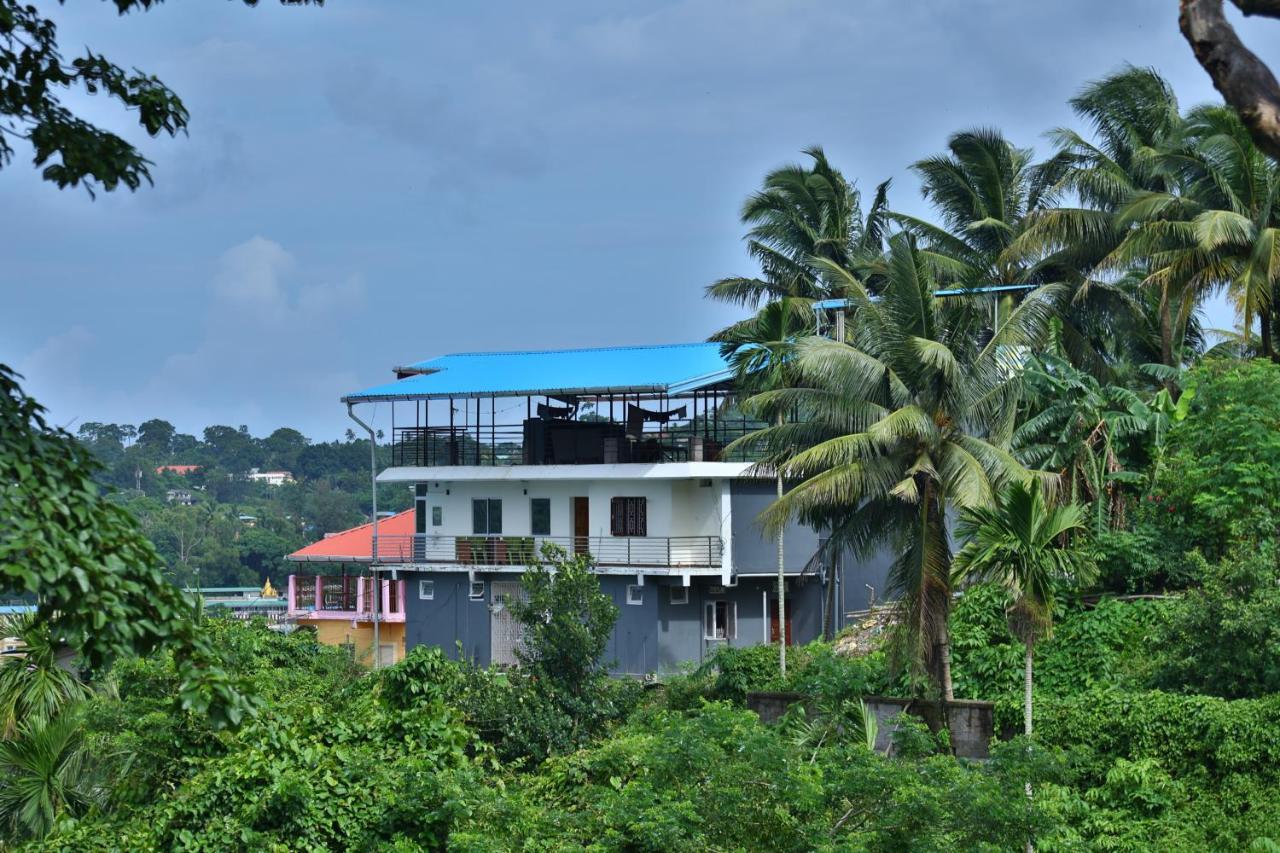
x,y
567,442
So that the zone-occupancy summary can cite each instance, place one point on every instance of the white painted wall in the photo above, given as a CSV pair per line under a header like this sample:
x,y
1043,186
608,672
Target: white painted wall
x,y
674,507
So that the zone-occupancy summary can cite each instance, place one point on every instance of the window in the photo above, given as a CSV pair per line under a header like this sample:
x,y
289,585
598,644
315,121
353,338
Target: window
x,y
437,516
420,508
720,620
540,512
635,594
486,516
679,595
477,590
628,517
427,590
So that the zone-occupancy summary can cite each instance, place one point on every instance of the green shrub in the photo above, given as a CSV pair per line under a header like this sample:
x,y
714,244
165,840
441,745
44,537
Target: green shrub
x,y
1224,638
1221,483
1200,740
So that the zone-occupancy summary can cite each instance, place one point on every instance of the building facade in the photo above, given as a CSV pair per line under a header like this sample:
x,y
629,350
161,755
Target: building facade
x,y
620,453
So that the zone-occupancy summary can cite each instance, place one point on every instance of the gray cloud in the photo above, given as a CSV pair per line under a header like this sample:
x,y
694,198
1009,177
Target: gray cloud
x,y
433,177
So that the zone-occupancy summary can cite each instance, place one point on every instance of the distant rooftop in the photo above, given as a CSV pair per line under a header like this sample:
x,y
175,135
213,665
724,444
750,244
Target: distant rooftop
x,y
664,369
354,545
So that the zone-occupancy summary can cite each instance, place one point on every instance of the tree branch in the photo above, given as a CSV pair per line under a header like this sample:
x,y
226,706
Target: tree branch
x,y
1244,80
1265,8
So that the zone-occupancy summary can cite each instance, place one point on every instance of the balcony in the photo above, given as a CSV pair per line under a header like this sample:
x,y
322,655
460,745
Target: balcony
x,y
347,597
633,552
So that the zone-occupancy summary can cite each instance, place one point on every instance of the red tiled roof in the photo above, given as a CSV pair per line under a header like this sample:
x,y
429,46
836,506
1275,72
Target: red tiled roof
x,y
178,469
355,545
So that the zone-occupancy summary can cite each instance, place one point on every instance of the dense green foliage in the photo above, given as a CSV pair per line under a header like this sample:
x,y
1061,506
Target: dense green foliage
x,y
1221,483
235,531
100,583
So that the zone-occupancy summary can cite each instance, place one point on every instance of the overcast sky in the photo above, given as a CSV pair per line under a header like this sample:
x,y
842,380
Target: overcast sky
x,y
376,182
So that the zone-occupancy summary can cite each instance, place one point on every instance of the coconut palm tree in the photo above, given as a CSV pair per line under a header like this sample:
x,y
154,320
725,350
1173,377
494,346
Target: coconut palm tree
x,y
983,189
1022,543
760,350
906,421
1239,229
802,214
1219,230
1133,147
988,195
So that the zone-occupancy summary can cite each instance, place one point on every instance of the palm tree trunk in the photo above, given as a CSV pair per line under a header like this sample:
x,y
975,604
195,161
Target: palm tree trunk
x,y
1166,341
1026,712
829,625
944,656
1026,689
782,596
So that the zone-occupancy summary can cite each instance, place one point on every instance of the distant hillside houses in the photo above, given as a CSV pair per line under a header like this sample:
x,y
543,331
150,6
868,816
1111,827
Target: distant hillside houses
x,y
271,478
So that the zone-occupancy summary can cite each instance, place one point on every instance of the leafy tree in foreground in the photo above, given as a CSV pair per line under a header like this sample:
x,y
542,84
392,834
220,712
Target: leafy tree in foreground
x,y
99,582
73,151
567,621
1221,484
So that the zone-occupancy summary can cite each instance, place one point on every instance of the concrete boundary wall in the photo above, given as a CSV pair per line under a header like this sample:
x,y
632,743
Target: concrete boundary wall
x,y
971,723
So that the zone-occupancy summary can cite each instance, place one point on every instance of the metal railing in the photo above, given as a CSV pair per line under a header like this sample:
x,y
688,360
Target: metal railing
x,y
676,441
611,551
341,594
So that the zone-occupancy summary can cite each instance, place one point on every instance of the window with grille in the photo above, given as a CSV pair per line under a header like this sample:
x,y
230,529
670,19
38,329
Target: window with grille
x,y
628,517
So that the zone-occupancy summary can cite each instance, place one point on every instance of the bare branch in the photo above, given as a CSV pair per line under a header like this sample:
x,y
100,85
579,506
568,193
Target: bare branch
x,y
1244,80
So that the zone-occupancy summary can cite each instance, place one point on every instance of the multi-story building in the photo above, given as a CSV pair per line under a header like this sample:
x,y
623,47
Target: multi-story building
x,y
617,453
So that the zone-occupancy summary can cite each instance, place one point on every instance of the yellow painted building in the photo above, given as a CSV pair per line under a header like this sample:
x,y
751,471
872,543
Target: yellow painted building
x,y
340,607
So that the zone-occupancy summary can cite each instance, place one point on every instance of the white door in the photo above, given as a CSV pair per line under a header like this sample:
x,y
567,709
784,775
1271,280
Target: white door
x,y
505,633
386,654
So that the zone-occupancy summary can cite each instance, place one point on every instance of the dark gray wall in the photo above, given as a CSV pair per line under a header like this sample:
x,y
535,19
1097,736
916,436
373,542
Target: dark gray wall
x,y
633,648
859,574
655,636
752,552
450,617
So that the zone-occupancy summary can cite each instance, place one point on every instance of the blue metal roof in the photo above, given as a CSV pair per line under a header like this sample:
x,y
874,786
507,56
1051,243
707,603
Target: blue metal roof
x,y
669,369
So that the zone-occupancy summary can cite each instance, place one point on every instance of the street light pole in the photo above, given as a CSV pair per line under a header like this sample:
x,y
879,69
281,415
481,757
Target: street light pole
x,y
375,583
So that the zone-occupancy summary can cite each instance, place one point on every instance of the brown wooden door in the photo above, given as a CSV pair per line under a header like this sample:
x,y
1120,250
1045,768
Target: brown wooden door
x,y
581,525
773,622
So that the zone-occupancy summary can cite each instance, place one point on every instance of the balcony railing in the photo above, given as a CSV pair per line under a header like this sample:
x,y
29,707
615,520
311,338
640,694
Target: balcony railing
x,y
566,442
344,595
610,551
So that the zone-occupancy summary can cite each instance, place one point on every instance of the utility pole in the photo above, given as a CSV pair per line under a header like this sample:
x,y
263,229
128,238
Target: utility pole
x,y
374,581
